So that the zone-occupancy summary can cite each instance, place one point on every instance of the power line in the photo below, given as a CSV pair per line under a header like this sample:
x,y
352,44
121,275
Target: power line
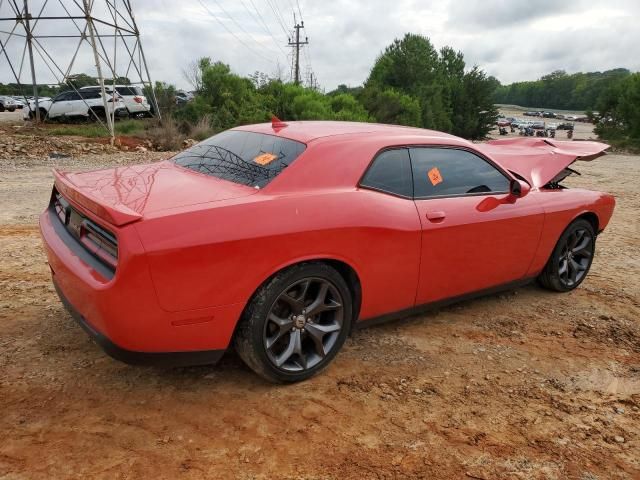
x,y
259,18
276,12
232,33
299,11
240,26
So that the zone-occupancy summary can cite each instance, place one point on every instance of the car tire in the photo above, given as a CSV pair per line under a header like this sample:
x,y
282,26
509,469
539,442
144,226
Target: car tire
x,y
295,323
95,114
1,108
571,258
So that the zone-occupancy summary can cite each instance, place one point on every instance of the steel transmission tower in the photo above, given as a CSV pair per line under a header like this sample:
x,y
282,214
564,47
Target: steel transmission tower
x,y
45,41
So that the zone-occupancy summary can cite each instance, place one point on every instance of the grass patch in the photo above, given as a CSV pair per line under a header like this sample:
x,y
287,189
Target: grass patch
x,y
95,130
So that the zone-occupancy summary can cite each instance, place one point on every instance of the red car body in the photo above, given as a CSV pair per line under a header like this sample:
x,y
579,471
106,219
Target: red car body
x,y
191,249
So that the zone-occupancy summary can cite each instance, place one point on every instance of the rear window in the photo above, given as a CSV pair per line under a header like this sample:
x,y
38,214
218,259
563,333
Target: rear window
x,y
129,91
247,158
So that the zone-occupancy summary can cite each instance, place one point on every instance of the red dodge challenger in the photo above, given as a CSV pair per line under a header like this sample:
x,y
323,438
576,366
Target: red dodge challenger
x,y
280,237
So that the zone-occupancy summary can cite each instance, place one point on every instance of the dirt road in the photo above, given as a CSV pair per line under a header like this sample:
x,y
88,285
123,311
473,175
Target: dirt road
x,y
524,385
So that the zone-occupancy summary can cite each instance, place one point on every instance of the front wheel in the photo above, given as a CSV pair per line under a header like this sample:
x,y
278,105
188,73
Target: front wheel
x,y
296,323
571,258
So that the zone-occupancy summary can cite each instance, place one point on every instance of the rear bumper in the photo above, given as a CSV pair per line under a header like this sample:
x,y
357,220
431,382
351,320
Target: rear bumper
x,y
122,313
168,359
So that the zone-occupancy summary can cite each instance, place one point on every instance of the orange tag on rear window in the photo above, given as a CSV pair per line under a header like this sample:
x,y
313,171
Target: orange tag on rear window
x,y
434,176
265,158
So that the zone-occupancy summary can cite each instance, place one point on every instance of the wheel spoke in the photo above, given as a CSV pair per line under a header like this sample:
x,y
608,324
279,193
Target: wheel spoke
x,y
581,247
296,304
577,266
290,350
573,271
319,305
297,349
284,325
563,266
317,332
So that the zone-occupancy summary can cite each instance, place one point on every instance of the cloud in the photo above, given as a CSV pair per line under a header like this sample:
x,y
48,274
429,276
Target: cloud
x,y
509,39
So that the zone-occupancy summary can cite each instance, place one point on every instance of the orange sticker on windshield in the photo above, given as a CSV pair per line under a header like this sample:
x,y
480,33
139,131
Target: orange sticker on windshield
x,y
434,176
265,158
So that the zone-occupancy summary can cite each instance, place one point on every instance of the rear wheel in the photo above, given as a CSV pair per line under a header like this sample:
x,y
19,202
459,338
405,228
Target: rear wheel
x,y
296,323
96,114
571,258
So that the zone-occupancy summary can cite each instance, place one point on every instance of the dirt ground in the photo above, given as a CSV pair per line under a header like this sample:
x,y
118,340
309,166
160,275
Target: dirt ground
x,y
527,384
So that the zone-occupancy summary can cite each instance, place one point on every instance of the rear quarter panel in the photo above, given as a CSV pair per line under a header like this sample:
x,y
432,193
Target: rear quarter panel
x,y
561,207
222,254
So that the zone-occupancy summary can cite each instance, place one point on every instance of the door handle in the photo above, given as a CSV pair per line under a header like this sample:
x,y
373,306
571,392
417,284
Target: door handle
x,y
435,216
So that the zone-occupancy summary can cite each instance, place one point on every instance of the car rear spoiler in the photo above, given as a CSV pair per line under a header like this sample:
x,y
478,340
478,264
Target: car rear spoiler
x,y
540,160
117,215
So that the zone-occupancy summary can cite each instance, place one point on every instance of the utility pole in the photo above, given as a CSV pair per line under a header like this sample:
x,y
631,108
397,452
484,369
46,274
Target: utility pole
x,y
297,44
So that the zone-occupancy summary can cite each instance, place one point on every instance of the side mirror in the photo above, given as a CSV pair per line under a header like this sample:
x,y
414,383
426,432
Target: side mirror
x,y
519,188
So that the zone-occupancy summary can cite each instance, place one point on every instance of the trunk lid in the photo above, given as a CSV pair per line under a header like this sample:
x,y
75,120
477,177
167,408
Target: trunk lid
x,y
124,195
540,160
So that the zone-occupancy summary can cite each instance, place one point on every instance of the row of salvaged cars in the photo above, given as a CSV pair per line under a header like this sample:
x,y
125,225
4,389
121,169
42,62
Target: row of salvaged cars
x,y
519,123
83,103
533,128
561,116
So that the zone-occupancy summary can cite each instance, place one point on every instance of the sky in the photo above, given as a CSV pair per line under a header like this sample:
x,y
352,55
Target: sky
x,y
510,39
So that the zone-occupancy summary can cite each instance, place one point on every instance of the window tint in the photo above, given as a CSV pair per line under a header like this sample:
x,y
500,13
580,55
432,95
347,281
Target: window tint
x,y
90,95
72,96
129,91
447,171
248,158
390,172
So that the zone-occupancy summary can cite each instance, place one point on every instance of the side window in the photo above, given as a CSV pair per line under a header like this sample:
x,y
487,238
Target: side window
x,y
390,172
90,95
447,171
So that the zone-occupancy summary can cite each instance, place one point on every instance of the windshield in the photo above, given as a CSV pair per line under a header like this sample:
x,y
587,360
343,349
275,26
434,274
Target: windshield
x,y
252,159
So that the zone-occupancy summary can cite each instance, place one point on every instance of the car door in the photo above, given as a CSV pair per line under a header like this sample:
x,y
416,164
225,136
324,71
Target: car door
x,y
76,105
394,246
60,105
474,234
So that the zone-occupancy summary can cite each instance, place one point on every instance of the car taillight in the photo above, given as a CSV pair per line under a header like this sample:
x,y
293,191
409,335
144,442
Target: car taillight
x,y
137,99
99,242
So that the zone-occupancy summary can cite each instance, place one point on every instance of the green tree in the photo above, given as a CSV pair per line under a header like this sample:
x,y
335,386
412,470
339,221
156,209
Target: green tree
x,y
447,98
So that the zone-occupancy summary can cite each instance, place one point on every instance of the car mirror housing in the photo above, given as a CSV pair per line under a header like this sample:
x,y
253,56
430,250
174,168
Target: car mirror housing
x,y
519,188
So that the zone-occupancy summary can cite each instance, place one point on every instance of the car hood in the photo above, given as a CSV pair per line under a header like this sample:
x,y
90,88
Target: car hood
x,y
125,194
540,160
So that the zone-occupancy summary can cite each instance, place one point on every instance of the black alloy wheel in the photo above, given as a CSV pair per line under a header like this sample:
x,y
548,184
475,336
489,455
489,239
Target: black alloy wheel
x,y
571,258
295,323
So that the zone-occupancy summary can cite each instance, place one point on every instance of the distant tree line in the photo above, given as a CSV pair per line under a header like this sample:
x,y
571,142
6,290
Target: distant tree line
x,y
559,90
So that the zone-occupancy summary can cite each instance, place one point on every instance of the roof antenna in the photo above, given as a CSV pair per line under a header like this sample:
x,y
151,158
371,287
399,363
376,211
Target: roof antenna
x,y
276,123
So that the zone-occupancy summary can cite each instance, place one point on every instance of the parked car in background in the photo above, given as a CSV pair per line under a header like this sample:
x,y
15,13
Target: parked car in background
x,y
565,126
20,102
278,238
184,97
75,104
133,97
7,103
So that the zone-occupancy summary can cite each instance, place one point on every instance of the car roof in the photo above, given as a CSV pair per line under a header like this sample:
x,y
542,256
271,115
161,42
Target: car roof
x,y
308,131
